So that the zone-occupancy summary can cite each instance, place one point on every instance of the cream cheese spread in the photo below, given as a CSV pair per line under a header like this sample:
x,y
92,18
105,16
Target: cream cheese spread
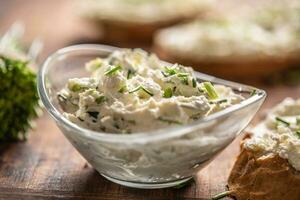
x,y
225,39
142,11
133,91
279,133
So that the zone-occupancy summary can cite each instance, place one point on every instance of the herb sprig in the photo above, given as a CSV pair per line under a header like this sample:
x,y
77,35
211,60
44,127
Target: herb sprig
x,y
19,101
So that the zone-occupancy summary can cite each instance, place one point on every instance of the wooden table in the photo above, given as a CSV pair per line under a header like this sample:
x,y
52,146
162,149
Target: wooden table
x,y
46,166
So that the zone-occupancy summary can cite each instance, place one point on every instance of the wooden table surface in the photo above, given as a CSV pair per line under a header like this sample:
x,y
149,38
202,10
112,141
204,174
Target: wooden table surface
x,y
46,166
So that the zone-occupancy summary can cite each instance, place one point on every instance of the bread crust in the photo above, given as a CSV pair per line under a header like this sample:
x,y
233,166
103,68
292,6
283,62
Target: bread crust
x,y
263,178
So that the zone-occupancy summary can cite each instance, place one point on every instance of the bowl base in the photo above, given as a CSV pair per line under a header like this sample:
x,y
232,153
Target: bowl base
x,y
147,185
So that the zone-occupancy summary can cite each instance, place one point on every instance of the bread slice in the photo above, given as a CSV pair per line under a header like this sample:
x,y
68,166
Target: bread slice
x,y
268,166
263,178
236,68
245,46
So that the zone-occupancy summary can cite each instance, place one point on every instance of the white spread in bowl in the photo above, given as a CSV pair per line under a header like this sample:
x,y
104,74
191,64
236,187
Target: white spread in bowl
x,y
132,91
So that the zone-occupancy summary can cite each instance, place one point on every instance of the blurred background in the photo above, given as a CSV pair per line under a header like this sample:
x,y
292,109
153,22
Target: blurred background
x,y
247,41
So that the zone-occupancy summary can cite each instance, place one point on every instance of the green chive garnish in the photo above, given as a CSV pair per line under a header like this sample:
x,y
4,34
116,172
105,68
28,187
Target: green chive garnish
x,y
280,120
170,71
298,121
147,91
168,93
185,80
219,101
194,82
122,89
129,74
210,89
183,74
113,70
141,88
76,88
298,133
253,92
170,121
221,195
100,99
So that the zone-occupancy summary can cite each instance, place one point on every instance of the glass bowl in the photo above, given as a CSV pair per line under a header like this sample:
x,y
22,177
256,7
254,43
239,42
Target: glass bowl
x,y
156,159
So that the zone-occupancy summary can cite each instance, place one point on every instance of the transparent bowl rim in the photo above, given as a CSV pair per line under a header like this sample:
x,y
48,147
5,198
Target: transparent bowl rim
x,y
141,136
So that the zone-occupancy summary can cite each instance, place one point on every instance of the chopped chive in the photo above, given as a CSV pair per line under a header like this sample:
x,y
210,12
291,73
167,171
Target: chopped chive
x,y
174,89
221,195
298,133
168,93
253,92
113,70
93,114
183,74
219,101
100,99
210,89
185,80
194,82
122,89
278,119
141,88
170,121
147,91
164,74
129,74
170,71
135,89
76,88
298,120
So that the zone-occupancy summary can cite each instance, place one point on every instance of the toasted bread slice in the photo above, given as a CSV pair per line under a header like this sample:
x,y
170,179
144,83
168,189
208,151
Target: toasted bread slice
x,y
263,178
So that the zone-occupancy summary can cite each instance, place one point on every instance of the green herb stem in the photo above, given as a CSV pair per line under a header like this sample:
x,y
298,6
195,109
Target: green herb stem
x,y
210,89
253,92
113,70
194,82
280,120
298,120
298,133
170,121
141,88
129,74
100,99
219,101
221,195
168,93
